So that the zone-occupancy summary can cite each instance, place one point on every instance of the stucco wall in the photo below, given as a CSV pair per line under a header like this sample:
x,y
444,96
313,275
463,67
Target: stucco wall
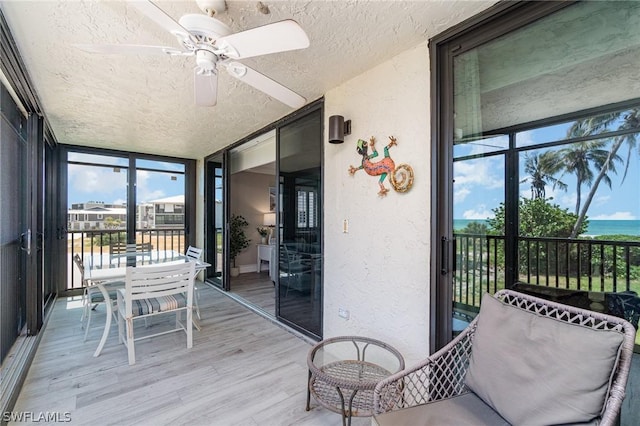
x,y
379,270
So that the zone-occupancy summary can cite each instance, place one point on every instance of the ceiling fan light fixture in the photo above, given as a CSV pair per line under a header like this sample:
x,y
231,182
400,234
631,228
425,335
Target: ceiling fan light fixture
x,y
205,87
213,43
206,60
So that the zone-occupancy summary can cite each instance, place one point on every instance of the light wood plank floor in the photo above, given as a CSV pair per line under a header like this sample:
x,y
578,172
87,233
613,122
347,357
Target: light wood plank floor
x,y
257,289
242,370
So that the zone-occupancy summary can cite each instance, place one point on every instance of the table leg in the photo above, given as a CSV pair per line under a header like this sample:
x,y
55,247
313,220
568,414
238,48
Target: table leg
x,y
107,325
309,392
195,319
344,413
353,394
258,265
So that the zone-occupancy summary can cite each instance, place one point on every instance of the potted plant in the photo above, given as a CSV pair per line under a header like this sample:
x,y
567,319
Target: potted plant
x,y
264,232
238,240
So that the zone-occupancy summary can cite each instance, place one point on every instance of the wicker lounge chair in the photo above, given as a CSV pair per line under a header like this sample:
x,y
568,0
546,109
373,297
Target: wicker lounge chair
x,y
522,360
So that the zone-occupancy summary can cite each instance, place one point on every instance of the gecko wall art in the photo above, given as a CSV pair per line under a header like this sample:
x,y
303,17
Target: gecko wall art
x,y
401,176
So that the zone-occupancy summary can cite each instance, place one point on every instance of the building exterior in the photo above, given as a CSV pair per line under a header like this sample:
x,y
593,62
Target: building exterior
x,y
162,213
167,212
94,215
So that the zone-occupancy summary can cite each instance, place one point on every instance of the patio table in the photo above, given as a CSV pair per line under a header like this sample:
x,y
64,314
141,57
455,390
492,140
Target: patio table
x,y
344,370
100,269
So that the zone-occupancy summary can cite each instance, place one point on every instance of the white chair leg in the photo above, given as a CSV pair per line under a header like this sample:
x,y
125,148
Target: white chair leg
x,y
86,329
131,350
114,311
195,301
120,328
84,309
84,313
189,327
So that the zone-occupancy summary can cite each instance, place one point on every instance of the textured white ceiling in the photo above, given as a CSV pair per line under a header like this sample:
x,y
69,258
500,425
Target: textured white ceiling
x,y
145,103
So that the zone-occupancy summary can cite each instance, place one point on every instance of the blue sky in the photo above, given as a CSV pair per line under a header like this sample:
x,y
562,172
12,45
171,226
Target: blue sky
x,y
479,183
478,187
91,183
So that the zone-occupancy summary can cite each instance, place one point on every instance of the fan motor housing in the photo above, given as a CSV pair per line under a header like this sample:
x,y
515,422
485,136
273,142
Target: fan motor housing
x,y
205,26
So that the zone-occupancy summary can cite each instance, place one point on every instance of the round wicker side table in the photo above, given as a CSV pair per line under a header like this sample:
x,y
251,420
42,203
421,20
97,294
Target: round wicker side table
x,y
343,371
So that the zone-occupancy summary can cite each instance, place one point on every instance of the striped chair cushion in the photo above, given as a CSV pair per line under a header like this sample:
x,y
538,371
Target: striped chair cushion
x,y
158,304
97,297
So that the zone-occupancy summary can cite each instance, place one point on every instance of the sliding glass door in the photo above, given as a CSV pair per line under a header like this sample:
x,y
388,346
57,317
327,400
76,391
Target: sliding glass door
x,y
299,300
538,118
272,183
214,238
14,225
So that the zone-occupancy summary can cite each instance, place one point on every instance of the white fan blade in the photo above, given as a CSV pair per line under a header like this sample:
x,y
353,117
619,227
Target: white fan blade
x,y
158,15
131,49
205,87
265,84
271,38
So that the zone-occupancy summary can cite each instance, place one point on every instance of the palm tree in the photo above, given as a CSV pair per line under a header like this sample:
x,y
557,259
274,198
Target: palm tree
x,y
540,169
579,158
600,124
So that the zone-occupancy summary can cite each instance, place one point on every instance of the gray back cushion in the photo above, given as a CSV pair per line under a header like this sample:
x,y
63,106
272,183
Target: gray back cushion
x,y
536,370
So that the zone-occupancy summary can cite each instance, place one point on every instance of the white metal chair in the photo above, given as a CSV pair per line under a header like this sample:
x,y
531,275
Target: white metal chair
x,y
92,296
121,253
194,254
153,290
295,270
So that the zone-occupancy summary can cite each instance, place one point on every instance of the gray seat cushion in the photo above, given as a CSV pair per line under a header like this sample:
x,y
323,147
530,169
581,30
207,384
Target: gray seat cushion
x,y
537,370
465,409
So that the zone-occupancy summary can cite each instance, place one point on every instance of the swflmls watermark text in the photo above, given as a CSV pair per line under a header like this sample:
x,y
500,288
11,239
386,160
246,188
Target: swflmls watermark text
x,y
34,417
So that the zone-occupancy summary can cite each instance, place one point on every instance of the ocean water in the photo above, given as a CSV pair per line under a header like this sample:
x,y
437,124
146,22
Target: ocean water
x,y
613,227
596,227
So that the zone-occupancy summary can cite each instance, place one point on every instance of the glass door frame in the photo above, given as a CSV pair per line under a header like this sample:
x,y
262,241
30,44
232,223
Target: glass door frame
x,y
131,157
280,227
210,219
443,48
209,206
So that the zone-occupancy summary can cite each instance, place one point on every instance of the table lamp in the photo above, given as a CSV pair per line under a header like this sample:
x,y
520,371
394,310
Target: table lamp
x,y
269,220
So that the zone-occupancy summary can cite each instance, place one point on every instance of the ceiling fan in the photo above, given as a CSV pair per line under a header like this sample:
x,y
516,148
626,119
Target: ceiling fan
x,y
214,44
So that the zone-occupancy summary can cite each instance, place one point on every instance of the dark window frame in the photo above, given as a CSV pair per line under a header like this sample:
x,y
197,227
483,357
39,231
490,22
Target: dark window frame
x,y
500,19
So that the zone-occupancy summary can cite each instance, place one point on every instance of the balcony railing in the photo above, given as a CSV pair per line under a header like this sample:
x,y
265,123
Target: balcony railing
x,y
91,243
577,264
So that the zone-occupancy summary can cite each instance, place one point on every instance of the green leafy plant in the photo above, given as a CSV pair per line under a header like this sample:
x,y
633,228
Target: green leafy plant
x,y
263,231
104,239
238,240
538,218
111,223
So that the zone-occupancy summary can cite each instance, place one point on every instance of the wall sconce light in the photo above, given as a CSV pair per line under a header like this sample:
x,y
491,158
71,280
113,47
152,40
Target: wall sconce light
x,y
338,128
